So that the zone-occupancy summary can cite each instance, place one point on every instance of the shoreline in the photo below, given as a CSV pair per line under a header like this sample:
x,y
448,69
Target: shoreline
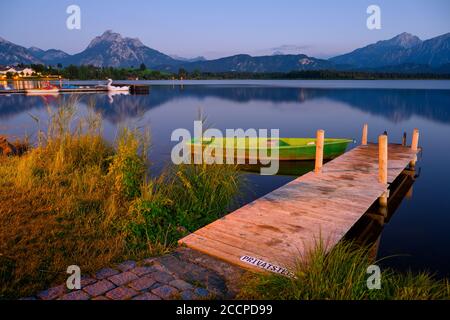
x,y
426,84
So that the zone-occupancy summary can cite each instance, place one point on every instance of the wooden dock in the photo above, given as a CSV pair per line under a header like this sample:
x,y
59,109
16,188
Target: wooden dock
x,y
273,232
134,89
63,90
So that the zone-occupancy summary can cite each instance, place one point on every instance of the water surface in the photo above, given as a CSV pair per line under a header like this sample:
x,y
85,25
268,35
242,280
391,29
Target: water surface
x,y
418,234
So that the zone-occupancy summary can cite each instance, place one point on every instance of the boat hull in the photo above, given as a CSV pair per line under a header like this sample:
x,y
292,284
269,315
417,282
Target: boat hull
x,y
119,89
37,92
292,149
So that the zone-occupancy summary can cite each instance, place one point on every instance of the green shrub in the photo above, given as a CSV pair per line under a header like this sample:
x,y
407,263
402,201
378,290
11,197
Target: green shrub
x,y
181,200
156,225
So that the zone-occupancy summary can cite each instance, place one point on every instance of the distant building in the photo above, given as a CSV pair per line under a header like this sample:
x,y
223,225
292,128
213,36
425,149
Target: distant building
x,y
16,71
27,72
5,70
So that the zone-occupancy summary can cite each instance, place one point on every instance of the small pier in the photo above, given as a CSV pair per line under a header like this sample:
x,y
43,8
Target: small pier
x,y
274,231
134,89
62,90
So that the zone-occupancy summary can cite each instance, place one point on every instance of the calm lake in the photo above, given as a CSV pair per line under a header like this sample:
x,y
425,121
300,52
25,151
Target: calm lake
x,y
417,236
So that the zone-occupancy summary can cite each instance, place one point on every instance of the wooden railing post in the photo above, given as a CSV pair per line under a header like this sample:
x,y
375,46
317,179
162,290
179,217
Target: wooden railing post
x,y
382,158
383,166
320,137
364,135
415,140
414,146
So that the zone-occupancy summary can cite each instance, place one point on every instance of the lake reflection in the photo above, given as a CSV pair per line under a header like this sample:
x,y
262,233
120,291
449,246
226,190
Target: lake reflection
x,y
418,232
394,104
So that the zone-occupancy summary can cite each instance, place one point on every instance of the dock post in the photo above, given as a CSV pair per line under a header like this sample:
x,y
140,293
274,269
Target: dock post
x,y
320,137
364,135
382,158
383,168
404,139
415,140
414,146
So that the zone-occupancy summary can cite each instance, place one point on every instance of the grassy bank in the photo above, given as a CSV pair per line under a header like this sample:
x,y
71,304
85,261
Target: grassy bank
x,y
342,275
74,198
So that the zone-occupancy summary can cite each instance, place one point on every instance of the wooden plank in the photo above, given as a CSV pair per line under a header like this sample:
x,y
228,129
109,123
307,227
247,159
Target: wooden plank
x,y
283,225
272,246
224,252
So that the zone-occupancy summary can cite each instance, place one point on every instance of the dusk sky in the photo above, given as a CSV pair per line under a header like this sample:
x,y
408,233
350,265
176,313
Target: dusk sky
x,y
215,28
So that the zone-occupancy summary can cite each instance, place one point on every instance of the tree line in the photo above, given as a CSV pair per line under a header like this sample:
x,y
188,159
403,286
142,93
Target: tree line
x,y
89,72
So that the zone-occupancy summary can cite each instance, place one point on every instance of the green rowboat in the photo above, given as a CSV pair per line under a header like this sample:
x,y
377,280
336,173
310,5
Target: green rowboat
x,y
288,148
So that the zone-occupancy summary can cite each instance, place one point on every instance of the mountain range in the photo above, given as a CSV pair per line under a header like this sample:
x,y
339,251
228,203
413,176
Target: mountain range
x,y
403,53
402,49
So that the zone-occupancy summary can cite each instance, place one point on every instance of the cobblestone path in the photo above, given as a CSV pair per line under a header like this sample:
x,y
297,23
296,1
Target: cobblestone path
x,y
184,274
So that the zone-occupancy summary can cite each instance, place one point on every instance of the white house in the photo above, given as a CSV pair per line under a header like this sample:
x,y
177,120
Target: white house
x,y
15,70
25,71
5,70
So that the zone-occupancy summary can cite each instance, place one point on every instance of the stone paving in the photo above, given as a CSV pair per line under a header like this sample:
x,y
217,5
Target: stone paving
x,y
184,274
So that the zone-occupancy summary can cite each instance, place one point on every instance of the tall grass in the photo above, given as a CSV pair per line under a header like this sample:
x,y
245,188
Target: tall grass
x,y
342,275
204,192
52,205
76,199
68,156
128,166
183,199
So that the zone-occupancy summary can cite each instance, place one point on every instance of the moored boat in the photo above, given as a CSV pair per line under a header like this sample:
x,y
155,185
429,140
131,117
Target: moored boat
x,y
47,89
53,91
110,87
288,148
